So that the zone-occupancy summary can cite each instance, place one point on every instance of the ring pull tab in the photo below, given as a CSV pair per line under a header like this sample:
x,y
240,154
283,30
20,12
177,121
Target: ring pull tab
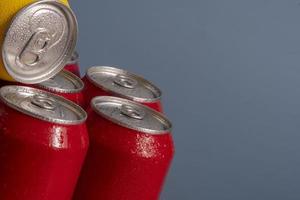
x,y
132,112
43,102
35,49
125,81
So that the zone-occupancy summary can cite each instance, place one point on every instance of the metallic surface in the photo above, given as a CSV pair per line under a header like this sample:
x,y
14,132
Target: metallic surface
x,y
39,41
42,105
73,64
124,84
40,160
131,115
63,82
123,163
74,58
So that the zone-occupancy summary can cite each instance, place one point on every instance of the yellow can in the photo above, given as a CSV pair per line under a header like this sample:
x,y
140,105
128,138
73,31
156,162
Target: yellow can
x,y
37,38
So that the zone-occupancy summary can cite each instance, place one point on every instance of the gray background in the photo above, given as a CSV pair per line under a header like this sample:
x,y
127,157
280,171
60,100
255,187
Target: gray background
x,y
230,72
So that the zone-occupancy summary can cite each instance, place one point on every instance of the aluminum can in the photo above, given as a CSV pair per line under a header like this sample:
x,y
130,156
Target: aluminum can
x,y
111,81
73,64
130,152
43,142
65,84
37,39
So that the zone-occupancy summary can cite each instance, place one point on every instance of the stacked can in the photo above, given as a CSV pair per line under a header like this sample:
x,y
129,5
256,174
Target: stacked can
x,y
43,135
111,81
130,151
43,143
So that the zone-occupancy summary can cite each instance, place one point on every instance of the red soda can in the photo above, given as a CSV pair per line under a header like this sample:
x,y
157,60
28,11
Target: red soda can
x,y
65,84
111,81
130,152
43,143
73,64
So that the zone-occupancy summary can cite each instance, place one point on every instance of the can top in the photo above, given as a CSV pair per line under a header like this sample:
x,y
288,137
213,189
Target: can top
x,y
42,105
63,82
124,84
74,58
39,42
131,115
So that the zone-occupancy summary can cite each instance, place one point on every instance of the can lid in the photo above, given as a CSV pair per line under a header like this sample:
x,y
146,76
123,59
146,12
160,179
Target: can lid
x,y
42,105
131,115
39,42
74,58
124,84
63,82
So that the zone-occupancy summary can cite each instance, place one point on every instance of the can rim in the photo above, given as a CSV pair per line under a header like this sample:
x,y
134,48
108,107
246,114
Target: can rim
x,y
70,76
74,58
68,52
147,84
71,105
161,117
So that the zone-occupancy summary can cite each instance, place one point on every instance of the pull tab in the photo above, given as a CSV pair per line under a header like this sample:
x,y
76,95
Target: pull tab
x,y
125,81
43,102
132,112
35,49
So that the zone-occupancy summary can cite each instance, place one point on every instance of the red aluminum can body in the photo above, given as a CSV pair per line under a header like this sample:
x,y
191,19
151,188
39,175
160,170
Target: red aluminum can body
x,y
117,84
74,68
73,64
39,159
123,163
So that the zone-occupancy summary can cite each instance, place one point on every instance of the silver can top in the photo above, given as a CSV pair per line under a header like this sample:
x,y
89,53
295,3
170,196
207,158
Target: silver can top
x,y
131,115
42,105
39,42
63,82
124,84
74,59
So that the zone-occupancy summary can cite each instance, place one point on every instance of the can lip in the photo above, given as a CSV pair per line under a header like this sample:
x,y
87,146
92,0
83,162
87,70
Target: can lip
x,y
67,75
74,59
149,85
166,125
63,102
9,59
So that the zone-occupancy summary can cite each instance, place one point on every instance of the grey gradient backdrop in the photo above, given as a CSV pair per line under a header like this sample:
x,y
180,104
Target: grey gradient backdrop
x,y
230,73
